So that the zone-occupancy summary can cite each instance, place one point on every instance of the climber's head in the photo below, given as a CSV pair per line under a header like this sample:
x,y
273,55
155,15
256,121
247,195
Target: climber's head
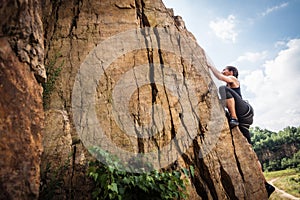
x,y
232,70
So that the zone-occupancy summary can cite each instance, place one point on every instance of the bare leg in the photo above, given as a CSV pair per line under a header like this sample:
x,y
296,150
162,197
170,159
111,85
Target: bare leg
x,y
230,103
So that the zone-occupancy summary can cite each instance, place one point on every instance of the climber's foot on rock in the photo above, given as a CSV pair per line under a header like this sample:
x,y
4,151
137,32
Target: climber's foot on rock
x,y
233,122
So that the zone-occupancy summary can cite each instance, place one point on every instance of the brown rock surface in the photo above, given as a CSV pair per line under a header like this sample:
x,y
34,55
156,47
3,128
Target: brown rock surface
x,y
227,169
21,111
159,76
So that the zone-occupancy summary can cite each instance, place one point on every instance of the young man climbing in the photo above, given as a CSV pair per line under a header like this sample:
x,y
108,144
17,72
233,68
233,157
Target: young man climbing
x,y
240,111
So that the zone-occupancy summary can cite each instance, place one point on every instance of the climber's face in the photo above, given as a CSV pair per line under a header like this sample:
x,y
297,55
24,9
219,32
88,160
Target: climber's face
x,y
226,72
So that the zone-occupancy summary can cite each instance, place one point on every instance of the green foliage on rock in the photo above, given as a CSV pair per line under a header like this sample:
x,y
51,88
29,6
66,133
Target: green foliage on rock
x,y
52,181
52,73
111,182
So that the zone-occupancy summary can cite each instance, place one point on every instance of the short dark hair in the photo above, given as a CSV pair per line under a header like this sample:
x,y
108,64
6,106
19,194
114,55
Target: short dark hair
x,y
234,70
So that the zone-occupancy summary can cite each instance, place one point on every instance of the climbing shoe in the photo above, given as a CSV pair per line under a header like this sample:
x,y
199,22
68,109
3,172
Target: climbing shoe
x,y
270,188
233,122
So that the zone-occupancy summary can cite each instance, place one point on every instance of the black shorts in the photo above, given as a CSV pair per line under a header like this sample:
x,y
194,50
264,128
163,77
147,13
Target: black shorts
x,y
244,110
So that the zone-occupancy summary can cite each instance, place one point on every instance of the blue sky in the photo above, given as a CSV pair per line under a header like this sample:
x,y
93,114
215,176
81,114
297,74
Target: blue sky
x,y
261,38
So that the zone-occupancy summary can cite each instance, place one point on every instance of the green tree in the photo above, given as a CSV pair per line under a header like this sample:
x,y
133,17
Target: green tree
x,y
265,142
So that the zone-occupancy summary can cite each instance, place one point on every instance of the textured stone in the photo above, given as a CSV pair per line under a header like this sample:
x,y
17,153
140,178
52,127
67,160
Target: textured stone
x,y
57,140
225,165
21,122
58,162
21,21
21,111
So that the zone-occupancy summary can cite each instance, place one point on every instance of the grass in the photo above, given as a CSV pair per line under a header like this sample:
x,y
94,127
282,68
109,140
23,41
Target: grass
x,y
287,180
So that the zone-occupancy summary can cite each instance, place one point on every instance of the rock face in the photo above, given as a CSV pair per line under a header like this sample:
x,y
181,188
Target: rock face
x,y
21,111
226,166
126,76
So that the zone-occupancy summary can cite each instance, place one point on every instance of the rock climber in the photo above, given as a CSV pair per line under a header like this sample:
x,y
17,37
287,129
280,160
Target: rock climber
x,y
240,112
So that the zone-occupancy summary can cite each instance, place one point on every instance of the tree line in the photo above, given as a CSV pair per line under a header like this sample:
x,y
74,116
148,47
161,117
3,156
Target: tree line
x,y
277,150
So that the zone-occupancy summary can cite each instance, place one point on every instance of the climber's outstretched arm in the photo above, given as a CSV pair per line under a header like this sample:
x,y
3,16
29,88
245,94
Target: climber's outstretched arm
x,y
229,79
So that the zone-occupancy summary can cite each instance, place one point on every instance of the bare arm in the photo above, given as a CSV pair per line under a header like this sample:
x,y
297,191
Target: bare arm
x,y
231,80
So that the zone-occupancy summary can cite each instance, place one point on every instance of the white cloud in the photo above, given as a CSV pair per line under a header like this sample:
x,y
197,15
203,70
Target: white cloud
x,y
276,89
254,80
274,8
252,57
225,28
279,44
249,61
